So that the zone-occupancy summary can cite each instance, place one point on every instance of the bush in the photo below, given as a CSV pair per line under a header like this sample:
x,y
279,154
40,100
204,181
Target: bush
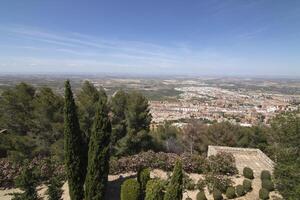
x,y
222,163
248,173
130,190
230,193
267,184
154,190
217,182
240,190
247,185
201,195
217,194
188,198
143,177
263,194
265,174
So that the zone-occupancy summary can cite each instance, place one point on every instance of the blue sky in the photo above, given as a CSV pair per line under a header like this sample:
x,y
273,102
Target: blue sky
x,y
154,37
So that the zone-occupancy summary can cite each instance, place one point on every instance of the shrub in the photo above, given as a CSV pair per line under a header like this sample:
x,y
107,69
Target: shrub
x,y
265,174
201,195
200,184
240,190
54,190
222,163
188,198
247,185
267,184
130,190
248,173
263,194
154,190
217,194
143,177
230,193
217,182
188,183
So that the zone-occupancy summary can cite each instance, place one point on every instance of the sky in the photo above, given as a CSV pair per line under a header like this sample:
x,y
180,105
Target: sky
x,y
151,37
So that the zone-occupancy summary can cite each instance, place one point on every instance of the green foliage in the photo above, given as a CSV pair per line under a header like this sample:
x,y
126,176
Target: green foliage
x,y
175,187
230,193
143,177
217,182
265,174
217,194
222,163
247,185
154,190
248,173
201,195
118,107
75,163
130,190
88,98
240,190
263,194
286,147
188,198
98,156
267,184
27,182
54,190
138,119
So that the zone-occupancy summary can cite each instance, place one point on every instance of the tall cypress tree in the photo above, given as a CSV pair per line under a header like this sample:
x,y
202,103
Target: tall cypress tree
x,y
98,156
75,160
175,187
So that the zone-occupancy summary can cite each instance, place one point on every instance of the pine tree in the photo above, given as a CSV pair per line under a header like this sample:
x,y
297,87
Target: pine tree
x,y
98,156
74,148
175,186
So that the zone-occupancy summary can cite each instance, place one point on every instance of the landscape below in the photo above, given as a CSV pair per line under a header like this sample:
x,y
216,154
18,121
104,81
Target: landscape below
x,y
36,123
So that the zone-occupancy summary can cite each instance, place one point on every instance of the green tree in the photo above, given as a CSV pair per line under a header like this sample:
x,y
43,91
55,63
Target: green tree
x,y
175,186
75,163
16,109
138,119
98,157
118,107
48,117
27,182
286,145
88,98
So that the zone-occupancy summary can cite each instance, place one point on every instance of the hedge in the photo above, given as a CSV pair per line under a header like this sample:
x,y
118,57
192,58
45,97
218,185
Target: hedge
x,y
248,173
217,194
265,174
130,190
154,190
267,184
263,194
247,185
240,190
230,193
201,195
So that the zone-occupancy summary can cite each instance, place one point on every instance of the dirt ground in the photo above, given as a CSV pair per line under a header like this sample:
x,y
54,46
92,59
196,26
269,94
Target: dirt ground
x,y
115,182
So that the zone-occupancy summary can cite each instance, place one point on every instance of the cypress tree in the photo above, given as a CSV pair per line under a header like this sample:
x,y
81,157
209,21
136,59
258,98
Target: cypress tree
x,y
75,160
98,156
175,186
